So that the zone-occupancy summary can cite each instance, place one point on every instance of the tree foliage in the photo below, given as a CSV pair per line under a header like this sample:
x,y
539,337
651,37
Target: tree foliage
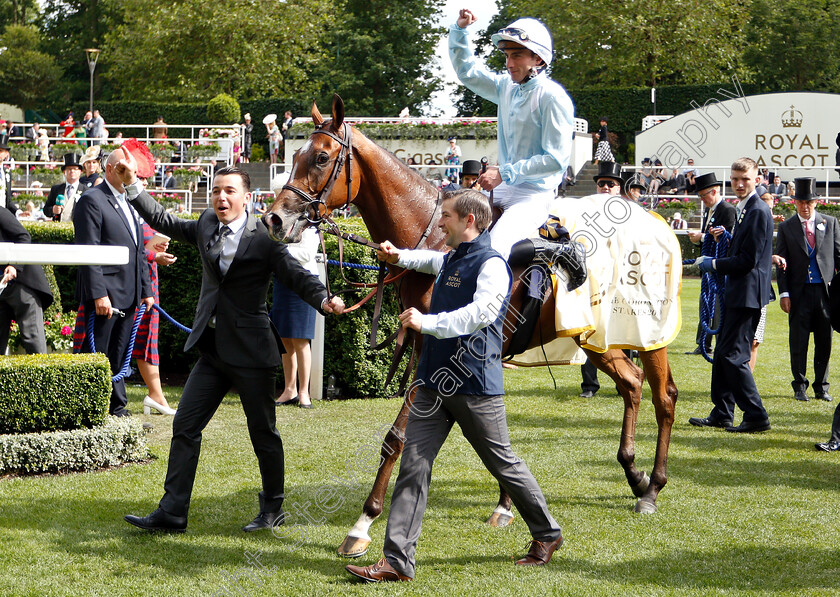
x,y
25,71
382,55
797,48
191,50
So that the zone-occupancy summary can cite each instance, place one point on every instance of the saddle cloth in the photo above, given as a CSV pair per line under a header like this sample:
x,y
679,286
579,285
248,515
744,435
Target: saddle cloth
x,y
631,298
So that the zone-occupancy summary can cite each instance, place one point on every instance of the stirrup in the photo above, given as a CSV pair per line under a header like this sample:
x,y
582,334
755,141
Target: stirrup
x,y
566,260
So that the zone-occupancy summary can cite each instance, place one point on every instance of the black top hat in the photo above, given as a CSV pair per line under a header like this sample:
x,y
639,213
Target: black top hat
x,y
4,145
608,170
705,181
71,159
646,161
806,189
471,167
631,180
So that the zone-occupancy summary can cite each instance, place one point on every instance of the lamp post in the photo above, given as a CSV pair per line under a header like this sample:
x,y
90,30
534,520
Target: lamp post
x,y
92,55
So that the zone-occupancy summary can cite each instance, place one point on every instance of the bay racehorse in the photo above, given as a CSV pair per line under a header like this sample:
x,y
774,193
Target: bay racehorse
x,y
338,166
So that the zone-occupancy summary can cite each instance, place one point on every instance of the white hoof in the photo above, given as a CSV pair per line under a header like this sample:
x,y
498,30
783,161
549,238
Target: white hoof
x,y
500,517
645,507
353,547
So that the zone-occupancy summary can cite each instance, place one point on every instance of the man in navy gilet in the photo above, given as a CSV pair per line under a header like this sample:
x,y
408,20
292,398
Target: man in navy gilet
x,y
460,380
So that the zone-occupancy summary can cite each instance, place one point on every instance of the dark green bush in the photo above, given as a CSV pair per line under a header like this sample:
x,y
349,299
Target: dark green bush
x,y
53,392
223,109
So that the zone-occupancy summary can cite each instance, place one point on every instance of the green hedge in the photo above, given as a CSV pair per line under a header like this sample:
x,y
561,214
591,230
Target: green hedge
x,y
53,392
117,441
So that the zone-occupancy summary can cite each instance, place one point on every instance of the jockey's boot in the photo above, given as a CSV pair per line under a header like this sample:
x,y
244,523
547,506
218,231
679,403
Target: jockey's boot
x,y
565,258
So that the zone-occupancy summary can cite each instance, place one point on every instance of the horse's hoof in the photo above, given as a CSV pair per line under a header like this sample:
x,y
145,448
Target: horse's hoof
x,y
500,519
641,487
645,507
353,547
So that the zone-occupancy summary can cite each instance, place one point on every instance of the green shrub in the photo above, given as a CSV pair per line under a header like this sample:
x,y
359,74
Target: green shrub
x,y
360,371
223,109
53,392
258,153
117,441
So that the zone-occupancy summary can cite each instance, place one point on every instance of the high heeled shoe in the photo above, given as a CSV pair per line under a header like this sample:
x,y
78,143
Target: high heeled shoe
x,y
149,404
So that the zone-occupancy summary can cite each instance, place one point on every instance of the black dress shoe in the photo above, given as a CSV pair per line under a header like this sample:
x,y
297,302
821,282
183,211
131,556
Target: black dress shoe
x,y
709,422
697,350
289,402
586,394
829,446
801,396
824,396
159,521
751,427
265,520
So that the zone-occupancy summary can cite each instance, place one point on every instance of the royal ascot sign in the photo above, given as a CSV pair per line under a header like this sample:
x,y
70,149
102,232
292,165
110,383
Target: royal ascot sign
x,y
790,133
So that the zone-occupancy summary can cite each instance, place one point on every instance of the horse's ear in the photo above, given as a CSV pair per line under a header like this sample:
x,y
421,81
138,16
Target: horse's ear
x,y
337,111
316,115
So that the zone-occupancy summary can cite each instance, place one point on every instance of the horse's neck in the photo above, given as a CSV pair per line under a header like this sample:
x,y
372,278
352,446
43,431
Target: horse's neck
x,y
395,204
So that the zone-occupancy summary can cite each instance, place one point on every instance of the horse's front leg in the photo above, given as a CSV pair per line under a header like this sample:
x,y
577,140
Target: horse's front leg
x,y
664,390
356,542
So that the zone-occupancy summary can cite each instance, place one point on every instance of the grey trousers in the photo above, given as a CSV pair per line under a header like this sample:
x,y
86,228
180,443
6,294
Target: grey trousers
x,y
20,303
483,422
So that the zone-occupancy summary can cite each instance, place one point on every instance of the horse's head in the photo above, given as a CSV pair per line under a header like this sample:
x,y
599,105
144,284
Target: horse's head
x,y
321,178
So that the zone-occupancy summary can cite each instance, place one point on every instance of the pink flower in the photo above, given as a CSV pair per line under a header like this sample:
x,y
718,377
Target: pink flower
x,y
66,331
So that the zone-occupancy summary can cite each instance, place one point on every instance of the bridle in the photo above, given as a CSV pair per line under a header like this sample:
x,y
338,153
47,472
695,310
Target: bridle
x,y
316,207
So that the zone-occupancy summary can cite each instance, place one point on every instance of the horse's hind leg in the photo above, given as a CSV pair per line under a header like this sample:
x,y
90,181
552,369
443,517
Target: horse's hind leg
x,y
356,542
628,378
658,373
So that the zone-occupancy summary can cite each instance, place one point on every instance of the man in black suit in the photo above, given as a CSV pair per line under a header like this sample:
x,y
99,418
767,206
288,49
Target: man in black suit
x,y
168,180
26,294
719,215
234,335
103,217
71,190
6,181
748,287
809,242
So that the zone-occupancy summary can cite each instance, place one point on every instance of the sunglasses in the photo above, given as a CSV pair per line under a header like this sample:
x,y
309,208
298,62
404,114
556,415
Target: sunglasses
x,y
606,183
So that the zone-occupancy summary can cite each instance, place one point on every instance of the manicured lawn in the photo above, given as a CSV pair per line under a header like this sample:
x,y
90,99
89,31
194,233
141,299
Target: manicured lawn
x,y
741,515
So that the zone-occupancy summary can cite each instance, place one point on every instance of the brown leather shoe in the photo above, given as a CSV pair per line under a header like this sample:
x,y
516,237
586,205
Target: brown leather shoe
x,y
382,571
540,553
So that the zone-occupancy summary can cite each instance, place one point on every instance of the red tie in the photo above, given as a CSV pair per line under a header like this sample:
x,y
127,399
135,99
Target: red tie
x,y
809,234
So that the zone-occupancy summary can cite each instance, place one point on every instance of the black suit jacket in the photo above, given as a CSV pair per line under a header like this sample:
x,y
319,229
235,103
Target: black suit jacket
x,y
245,336
792,245
31,276
748,264
55,191
10,205
98,220
723,214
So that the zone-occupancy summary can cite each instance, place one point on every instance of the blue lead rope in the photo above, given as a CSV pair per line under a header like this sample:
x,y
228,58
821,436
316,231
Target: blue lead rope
x,y
126,368
712,287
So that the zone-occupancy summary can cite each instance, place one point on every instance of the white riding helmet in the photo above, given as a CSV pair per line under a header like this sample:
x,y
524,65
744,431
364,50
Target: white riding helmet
x,y
529,33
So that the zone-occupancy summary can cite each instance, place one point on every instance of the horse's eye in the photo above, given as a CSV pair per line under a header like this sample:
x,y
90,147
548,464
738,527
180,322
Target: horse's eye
x,y
322,159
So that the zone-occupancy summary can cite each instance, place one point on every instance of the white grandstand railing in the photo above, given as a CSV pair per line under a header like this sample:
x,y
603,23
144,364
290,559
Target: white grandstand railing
x,y
423,169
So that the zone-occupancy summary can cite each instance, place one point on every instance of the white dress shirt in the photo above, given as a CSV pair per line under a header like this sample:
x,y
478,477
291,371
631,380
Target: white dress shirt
x,y
490,291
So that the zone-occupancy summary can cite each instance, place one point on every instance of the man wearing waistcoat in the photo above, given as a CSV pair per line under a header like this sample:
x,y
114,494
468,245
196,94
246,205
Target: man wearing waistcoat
x,y
460,380
810,244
